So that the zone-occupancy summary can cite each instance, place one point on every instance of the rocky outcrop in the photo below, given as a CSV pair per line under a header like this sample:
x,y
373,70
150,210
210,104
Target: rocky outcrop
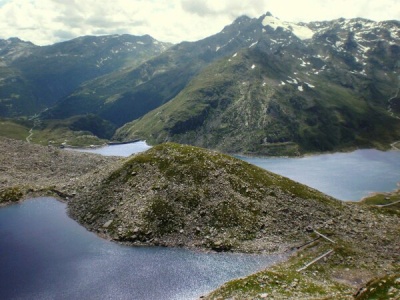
x,y
28,169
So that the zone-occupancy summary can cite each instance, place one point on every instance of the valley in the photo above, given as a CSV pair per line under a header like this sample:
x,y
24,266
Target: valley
x,y
280,88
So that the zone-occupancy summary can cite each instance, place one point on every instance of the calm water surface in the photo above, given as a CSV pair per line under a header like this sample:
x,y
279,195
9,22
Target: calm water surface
x,y
118,150
46,255
345,176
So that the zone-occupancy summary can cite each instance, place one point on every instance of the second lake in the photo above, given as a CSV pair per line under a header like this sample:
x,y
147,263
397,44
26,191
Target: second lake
x,y
347,176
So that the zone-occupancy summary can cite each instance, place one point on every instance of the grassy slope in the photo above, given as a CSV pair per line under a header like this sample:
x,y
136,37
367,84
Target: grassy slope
x,y
75,131
387,200
234,108
340,275
156,124
16,95
13,129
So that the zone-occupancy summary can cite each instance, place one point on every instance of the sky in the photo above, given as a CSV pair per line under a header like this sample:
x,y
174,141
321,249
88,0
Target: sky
x,y
45,22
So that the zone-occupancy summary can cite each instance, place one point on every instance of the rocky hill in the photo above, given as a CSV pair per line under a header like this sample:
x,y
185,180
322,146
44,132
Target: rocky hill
x,y
183,195
320,86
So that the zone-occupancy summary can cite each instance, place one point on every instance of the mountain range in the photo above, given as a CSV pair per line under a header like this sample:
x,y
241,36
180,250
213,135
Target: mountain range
x,y
260,86
33,78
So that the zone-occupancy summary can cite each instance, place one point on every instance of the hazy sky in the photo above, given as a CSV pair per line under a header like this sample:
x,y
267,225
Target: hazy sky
x,y
48,21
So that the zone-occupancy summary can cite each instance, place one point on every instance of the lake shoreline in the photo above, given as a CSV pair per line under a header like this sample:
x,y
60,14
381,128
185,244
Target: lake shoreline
x,y
309,154
133,272
36,170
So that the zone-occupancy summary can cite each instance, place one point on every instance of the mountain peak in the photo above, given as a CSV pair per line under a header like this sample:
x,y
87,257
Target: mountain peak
x,y
268,14
243,18
16,40
302,31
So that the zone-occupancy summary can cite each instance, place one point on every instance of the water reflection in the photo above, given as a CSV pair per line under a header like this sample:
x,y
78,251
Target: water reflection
x,y
47,255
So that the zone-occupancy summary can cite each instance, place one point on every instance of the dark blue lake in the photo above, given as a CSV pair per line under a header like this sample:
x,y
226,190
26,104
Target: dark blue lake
x,y
46,255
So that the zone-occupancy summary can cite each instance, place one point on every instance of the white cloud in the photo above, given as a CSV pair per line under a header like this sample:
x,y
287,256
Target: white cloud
x,y
233,8
307,10
49,21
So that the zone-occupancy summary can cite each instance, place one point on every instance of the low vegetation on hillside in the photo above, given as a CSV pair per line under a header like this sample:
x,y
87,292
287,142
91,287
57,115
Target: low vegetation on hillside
x,y
79,131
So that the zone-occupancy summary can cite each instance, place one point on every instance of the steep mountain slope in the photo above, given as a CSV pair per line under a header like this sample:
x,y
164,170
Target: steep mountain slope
x,y
126,95
323,89
16,93
52,72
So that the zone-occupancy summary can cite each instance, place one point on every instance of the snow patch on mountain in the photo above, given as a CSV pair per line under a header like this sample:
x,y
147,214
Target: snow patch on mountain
x,y
253,44
310,85
301,31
